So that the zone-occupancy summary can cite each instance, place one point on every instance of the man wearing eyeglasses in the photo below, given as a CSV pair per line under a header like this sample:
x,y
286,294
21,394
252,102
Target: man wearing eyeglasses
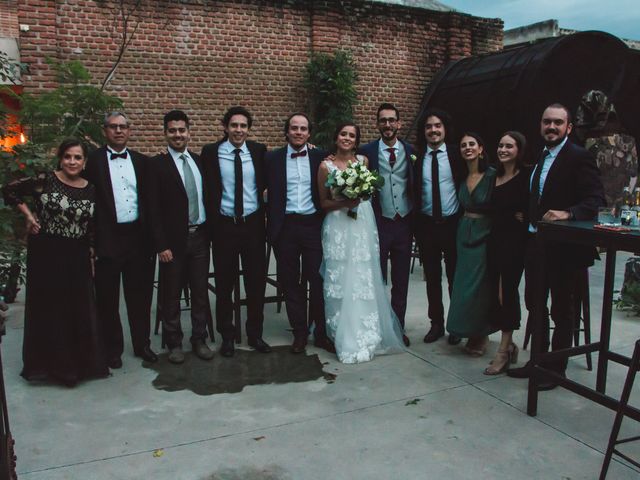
x,y
392,157
123,250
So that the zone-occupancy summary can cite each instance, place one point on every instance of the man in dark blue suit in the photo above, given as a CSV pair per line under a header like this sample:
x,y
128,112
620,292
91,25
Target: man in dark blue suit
x,y
393,158
564,185
294,223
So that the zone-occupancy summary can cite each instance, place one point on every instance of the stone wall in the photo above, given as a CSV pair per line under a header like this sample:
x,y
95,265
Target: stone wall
x,y
205,55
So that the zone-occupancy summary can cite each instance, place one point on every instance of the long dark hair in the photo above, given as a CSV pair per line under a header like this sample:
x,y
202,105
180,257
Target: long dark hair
x,y
521,143
483,158
339,128
66,144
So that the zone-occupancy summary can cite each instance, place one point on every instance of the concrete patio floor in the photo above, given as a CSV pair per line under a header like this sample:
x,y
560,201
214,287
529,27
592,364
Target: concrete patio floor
x,y
429,413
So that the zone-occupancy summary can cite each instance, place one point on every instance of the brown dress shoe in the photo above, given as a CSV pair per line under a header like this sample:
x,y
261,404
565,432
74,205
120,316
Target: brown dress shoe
x,y
176,355
298,345
202,351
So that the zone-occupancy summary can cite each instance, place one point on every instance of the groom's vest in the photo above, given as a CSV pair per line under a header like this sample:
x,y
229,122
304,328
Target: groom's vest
x,y
394,196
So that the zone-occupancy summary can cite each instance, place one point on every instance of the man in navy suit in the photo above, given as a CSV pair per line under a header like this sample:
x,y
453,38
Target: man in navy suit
x,y
294,224
180,237
393,158
439,171
564,185
234,175
122,240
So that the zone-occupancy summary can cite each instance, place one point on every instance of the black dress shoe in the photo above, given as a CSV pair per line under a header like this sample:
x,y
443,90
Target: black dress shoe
x,y
325,344
259,344
147,355
114,363
434,334
298,346
453,339
406,340
227,349
547,385
521,372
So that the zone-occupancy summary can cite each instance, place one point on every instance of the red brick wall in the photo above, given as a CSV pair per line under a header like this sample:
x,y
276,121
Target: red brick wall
x,y
9,18
205,55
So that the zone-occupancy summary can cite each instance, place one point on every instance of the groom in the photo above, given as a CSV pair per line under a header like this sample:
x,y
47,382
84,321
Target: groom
x,y
294,223
393,204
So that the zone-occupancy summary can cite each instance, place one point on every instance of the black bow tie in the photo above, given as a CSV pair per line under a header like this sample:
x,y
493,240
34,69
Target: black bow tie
x,y
118,155
303,153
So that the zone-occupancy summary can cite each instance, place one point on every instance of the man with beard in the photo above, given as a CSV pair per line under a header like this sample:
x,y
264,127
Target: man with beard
x,y
439,171
178,226
392,206
294,224
234,175
565,185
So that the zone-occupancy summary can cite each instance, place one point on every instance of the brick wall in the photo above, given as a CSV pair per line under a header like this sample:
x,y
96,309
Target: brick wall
x,y
205,55
9,18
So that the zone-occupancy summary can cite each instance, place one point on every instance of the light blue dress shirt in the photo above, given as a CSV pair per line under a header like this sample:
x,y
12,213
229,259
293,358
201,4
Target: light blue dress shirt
x,y
546,166
196,175
448,194
299,198
227,172
125,187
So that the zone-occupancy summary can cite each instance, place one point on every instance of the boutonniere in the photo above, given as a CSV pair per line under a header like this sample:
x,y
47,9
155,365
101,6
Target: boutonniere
x,y
413,158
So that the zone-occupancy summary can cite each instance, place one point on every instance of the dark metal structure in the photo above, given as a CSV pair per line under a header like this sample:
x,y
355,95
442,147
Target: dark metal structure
x,y
508,90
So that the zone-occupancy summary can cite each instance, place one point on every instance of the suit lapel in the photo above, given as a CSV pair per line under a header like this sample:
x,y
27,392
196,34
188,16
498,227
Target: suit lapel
x,y
108,186
175,174
553,171
282,165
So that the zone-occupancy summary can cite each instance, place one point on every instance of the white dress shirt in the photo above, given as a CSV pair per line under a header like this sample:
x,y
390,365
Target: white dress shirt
x,y
299,197
124,185
448,193
196,176
227,172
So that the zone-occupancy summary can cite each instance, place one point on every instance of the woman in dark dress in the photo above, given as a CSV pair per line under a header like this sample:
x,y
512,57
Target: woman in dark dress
x,y
507,245
471,299
61,339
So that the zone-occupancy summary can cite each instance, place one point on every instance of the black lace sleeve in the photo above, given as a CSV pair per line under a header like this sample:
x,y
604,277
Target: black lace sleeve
x,y
14,192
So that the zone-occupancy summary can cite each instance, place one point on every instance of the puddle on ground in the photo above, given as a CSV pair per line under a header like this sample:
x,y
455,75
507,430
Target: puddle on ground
x,y
231,375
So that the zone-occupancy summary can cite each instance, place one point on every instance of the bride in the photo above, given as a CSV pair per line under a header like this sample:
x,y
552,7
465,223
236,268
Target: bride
x,y
360,320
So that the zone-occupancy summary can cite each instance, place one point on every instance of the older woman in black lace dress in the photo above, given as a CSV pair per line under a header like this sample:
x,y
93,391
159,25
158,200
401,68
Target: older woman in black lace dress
x,y
61,341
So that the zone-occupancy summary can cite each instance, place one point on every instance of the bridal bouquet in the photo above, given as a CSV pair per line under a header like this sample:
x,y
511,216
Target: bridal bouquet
x,y
355,181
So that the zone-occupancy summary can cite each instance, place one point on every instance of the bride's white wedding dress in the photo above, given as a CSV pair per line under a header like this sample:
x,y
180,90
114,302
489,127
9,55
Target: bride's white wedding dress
x,y
360,320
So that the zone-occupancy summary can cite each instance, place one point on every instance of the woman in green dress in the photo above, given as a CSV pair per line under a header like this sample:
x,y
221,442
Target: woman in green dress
x,y
471,298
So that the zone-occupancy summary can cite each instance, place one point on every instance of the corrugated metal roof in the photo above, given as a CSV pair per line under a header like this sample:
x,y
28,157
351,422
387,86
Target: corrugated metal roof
x,y
426,4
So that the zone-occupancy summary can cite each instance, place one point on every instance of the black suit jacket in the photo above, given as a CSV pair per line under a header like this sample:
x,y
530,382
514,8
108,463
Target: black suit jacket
x,y
458,170
276,164
370,150
108,244
169,204
573,184
213,178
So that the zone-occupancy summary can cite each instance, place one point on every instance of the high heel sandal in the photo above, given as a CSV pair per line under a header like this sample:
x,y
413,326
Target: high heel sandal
x,y
510,355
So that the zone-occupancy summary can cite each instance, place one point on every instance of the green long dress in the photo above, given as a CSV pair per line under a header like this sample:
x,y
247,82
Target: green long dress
x,y
471,298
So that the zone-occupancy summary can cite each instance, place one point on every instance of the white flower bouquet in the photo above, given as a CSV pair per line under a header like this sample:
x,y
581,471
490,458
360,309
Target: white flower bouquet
x,y
355,181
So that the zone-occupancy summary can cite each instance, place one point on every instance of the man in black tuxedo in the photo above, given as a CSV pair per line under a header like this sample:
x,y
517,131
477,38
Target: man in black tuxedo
x,y
294,228
565,185
392,157
122,240
234,175
180,237
439,170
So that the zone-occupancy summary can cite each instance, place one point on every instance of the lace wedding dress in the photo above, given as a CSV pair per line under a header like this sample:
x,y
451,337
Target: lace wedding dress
x,y
360,320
